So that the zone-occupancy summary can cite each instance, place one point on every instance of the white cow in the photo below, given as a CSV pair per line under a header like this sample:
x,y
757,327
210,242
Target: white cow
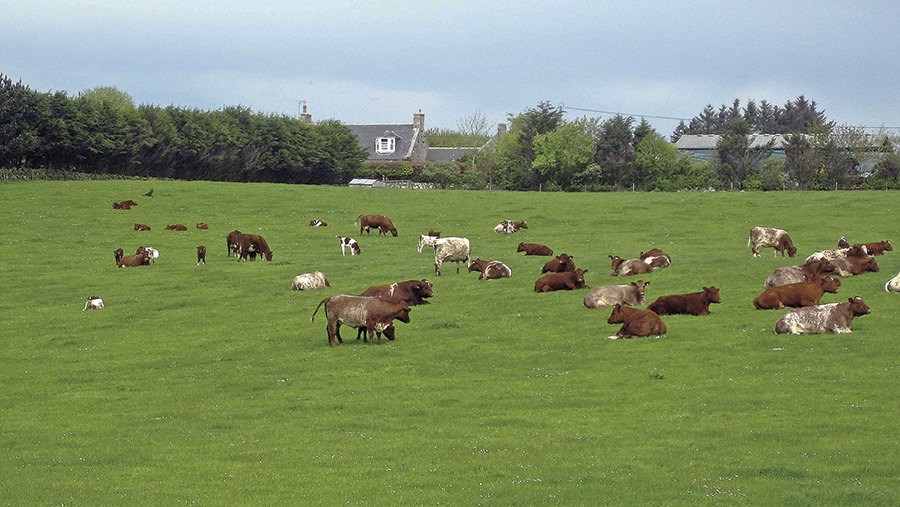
x,y
833,318
310,281
427,240
893,285
451,250
93,303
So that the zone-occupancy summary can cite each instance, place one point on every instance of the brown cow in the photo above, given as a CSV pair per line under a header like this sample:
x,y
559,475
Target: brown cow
x,y
570,280
381,222
138,259
176,227
375,314
635,322
410,293
434,233
141,227
252,244
202,225
119,253
860,265
802,273
768,236
560,264
201,254
121,205
622,267
694,303
796,294
877,247
233,242
534,249
478,265
656,258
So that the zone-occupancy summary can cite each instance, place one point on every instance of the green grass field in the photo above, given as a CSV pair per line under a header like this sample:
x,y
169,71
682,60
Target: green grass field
x,y
209,385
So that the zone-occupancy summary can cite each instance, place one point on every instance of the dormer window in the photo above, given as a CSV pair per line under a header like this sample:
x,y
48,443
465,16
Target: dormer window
x,y
384,145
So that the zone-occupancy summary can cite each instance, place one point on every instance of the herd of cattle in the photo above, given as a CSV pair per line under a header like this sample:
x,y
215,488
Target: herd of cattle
x,y
372,312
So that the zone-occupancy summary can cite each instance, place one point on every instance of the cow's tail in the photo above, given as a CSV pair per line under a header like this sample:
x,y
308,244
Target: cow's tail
x,y
312,319
357,219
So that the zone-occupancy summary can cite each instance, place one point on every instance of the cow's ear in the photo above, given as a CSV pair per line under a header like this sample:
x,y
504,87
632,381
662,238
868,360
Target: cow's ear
x,y
705,289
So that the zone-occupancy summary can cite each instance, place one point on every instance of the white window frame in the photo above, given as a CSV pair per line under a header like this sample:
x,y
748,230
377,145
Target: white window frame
x,y
385,145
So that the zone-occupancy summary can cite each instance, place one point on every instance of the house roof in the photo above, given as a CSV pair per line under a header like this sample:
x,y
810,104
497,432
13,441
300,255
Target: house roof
x,y
404,133
709,141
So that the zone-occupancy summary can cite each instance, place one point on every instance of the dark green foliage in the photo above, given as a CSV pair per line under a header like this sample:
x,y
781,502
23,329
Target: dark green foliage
x,y
800,116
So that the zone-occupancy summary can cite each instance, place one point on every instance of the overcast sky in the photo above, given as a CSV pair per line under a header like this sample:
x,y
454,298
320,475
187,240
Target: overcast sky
x,y
379,62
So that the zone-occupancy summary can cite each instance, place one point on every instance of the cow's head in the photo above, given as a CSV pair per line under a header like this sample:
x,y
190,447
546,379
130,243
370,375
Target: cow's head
x,y
887,246
830,284
269,255
423,289
712,294
521,247
857,251
617,316
579,277
616,260
792,251
858,306
640,286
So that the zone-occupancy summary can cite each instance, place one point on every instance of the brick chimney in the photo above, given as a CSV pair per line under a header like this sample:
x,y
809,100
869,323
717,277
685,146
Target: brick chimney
x,y
419,121
304,116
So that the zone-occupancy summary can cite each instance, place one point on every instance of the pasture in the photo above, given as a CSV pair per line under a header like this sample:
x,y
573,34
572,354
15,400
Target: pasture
x,y
209,385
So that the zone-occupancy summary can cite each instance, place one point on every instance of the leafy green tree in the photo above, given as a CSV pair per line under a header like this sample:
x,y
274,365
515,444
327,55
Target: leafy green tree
x,y
801,161
736,159
563,153
655,160
615,152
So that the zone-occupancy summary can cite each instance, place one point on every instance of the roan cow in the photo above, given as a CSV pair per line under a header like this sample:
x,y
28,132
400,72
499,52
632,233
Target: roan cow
x,y
310,281
840,253
427,239
694,303
373,313
609,295
635,322
534,249
451,250
562,263
561,281
796,294
768,236
802,273
622,267
380,222
832,318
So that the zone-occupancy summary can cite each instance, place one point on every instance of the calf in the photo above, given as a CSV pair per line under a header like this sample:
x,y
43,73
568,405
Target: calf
x,y
609,295
432,232
252,244
656,258
93,303
233,242
119,253
410,292
893,285
510,226
629,267
201,255
768,236
832,318
796,294
317,223
877,248
451,250
427,239
141,227
561,281
802,273
176,227
202,225
375,314
348,243
560,264
695,303
381,222
310,281
635,322
534,249
152,253
494,270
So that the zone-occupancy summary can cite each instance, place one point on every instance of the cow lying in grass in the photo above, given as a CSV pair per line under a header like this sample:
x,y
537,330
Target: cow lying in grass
x,y
561,281
694,303
832,318
796,294
635,322
310,281
610,295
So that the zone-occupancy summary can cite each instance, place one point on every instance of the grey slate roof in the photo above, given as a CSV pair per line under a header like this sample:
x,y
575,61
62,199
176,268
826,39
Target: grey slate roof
x,y
708,141
366,134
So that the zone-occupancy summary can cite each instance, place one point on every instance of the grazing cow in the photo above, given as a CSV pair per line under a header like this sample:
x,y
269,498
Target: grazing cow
x,y
832,318
510,226
609,295
176,227
201,255
560,264
310,281
656,258
451,250
317,223
427,240
635,322
141,227
121,205
495,270
695,303
375,314
877,247
119,253
202,225
802,273
534,249
93,303
796,294
138,259
432,232
252,244
768,236
233,242
381,222
622,267
348,243
840,253
569,280
893,285
410,292
152,253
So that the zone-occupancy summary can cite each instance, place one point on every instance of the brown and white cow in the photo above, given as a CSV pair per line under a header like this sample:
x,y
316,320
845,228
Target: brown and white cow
x,y
348,243
141,227
138,259
310,281
635,322
833,318
694,303
796,294
877,247
478,265
656,258
622,267
768,236
534,249
451,250
802,273
410,292
373,313
510,226
317,223
233,242
201,255
569,280
840,253
495,270
93,303
562,263
893,285
253,244
609,295
152,253
380,222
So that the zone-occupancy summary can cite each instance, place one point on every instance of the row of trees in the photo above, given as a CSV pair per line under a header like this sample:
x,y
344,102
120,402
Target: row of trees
x,y
102,131
796,116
